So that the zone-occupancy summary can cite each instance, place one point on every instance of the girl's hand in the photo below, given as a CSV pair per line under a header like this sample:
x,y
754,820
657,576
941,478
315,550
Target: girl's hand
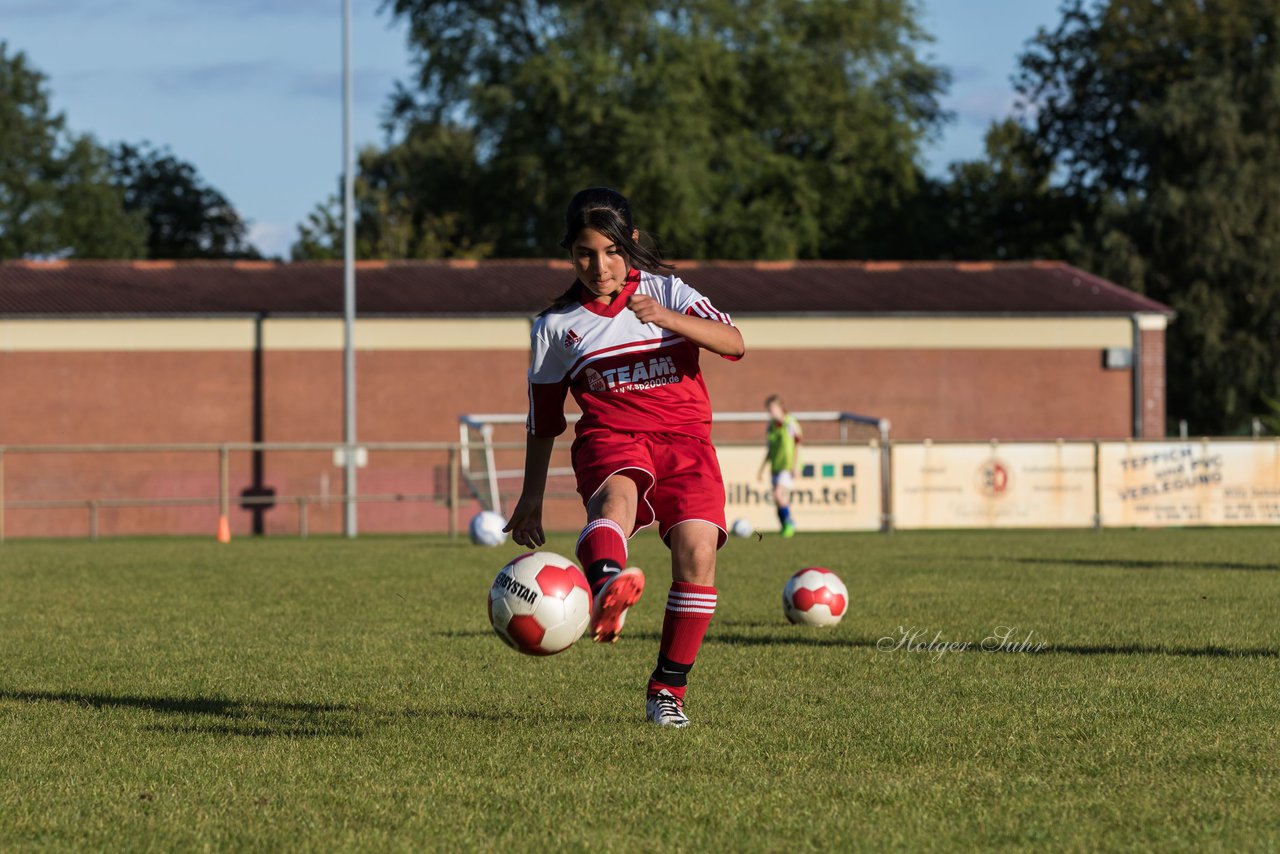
x,y
709,334
649,310
525,524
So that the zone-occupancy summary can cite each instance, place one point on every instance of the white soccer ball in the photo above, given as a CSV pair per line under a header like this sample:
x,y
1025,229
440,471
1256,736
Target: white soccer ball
x,y
815,597
486,529
742,528
540,603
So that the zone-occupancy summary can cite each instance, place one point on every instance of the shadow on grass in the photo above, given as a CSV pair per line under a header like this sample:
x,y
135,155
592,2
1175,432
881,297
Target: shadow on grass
x,y
262,719
1113,563
219,716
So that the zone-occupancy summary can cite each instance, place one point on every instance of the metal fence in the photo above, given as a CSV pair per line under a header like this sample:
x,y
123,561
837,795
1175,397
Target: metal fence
x,y
28,473
103,490
424,487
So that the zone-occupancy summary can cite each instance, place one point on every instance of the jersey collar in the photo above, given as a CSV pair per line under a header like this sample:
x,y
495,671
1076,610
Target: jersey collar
x,y
619,302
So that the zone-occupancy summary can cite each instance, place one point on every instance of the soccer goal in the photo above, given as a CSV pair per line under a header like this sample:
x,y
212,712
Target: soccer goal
x,y
492,446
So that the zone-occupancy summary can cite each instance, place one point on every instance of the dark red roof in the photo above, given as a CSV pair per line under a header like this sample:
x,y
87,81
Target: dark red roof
x,y
61,288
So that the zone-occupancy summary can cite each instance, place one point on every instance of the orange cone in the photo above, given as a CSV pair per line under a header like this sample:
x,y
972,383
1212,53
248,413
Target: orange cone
x,y
224,530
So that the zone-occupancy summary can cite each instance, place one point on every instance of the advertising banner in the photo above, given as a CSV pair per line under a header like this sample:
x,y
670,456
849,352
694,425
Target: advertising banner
x,y
1024,485
1153,484
838,488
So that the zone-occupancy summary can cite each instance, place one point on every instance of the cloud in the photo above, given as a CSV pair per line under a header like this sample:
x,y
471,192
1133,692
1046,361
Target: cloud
x,y
980,106
273,239
81,9
370,85
968,73
220,76
185,9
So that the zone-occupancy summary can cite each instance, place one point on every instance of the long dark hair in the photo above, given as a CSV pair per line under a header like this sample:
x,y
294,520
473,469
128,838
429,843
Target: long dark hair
x,y
608,212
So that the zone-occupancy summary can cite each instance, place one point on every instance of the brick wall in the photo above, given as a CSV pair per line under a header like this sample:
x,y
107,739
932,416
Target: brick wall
x,y
1153,384
167,397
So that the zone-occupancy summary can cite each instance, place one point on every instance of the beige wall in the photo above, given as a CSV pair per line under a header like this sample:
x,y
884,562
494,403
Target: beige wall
x,y
320,334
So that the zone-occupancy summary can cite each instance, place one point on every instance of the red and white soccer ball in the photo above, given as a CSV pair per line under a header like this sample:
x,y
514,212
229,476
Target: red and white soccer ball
x,y
815,597
540,603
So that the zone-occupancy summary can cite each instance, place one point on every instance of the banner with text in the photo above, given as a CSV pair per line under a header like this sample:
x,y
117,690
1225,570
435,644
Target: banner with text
x,y
1189,483
838,488
1024,485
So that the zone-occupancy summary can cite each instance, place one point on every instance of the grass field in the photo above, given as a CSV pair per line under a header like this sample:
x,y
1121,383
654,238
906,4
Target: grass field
x,y
327,694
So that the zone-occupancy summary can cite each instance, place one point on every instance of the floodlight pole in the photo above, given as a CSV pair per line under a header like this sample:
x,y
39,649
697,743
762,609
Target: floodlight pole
x,y
348,284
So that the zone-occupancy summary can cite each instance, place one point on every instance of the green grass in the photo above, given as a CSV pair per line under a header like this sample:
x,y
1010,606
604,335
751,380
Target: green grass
x,y
327,694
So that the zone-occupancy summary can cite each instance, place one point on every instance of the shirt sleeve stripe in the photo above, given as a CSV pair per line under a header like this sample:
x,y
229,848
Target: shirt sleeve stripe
x,y
704,308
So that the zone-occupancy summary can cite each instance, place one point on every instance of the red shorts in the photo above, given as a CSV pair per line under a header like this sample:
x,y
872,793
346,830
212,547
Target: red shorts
x,y
677,476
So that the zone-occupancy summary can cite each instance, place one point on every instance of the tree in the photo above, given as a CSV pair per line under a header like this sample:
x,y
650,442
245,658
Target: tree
x,y
185,217
1164,121
1271,417
1002,207
739,128
416,199
56,192
320,235
1005,206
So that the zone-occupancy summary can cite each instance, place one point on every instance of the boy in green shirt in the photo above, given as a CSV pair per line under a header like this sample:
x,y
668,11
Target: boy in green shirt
x,y
782,436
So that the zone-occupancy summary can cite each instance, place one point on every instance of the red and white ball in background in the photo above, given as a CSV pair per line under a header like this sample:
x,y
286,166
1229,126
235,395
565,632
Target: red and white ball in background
x,y
540,603
815,597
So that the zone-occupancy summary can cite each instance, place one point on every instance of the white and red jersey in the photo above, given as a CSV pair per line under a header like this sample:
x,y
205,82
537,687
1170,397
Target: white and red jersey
x,y
627,376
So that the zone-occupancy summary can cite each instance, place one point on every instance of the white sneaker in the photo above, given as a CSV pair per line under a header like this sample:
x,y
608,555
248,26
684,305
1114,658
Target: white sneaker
x,y
609,607
665,709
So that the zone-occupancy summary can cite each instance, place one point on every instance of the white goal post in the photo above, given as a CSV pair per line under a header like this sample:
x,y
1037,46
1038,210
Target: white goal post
x,y
481,475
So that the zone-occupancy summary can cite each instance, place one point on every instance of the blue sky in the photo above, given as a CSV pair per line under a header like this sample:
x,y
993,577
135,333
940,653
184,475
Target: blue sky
x,y
250,90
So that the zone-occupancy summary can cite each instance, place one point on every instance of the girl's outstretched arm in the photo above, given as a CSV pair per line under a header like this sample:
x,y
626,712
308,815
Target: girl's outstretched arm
x,y
525,524
719,338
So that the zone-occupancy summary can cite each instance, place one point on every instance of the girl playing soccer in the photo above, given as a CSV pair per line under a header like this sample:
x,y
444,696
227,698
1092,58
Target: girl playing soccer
x,y
781,437
625,339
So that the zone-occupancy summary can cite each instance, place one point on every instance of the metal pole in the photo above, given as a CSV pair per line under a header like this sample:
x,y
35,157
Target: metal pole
x,y
1097,486
495,499
224,482
1137,378
1,496
348,282
454,454
886,478
93,520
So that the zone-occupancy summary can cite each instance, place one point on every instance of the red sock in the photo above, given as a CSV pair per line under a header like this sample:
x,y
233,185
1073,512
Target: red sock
x,y
689,611
601,540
